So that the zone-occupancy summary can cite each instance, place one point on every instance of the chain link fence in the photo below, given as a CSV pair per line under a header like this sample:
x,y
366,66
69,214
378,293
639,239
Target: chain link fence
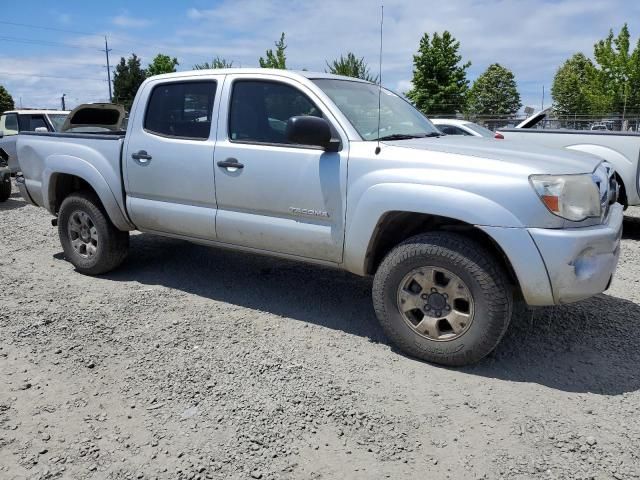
x,y
613,122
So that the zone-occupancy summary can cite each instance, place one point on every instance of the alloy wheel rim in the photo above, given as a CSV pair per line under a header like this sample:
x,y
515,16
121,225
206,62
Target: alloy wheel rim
x,y
83,234
435,303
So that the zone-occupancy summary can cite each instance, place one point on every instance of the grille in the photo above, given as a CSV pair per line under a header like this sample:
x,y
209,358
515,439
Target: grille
x,y
605,178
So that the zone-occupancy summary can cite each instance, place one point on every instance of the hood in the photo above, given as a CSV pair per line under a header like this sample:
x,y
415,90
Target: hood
x,y
529,157
95,117
534,119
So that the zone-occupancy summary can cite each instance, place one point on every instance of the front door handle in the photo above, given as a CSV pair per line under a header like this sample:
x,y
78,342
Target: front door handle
x,y
230,163
141,157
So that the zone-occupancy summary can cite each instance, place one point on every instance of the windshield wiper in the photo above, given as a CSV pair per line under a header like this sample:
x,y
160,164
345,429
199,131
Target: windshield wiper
x,y
406,136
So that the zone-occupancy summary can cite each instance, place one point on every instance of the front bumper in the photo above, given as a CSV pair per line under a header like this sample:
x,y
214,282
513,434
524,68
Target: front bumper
x,y
580,262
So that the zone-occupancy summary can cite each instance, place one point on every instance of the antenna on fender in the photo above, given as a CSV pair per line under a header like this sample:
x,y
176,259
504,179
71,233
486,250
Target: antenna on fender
x,y
380,77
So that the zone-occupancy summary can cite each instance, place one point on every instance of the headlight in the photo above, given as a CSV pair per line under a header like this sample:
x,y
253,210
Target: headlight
x,y
574,197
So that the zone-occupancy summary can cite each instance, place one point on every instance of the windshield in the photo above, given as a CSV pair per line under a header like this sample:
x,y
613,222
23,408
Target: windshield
x,y
485,132
358,101
57,120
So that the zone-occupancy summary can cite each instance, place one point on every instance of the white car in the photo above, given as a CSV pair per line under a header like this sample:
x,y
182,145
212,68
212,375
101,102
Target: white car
x,y
452,126
13,122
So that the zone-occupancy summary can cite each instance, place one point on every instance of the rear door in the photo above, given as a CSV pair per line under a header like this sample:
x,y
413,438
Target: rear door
x,y
285,198
168,157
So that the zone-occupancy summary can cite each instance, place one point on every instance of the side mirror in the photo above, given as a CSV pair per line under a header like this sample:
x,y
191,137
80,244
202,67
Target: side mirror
x,y
313,131
1,133
42,130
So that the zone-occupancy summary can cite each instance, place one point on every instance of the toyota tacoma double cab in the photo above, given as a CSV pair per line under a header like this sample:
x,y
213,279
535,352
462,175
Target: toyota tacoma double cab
x,y
344,173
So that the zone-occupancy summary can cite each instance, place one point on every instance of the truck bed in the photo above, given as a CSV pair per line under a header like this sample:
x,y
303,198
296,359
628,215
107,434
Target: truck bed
x,y
94,157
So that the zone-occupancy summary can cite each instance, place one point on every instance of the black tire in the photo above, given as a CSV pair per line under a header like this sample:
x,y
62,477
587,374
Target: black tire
x,y
111,246
482,274
5,188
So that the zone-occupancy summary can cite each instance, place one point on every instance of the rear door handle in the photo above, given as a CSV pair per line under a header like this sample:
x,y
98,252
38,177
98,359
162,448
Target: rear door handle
x,y
141,157
230,163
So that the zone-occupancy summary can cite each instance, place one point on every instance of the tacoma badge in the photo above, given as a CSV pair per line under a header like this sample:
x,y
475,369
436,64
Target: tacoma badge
x,y
308,211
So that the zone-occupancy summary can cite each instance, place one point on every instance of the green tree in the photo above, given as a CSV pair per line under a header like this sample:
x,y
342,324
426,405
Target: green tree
x,y
127,78
611,84
277,59
612,56
6,100
494,92
162,64
217,62
633,88
352,66
439,79
575,87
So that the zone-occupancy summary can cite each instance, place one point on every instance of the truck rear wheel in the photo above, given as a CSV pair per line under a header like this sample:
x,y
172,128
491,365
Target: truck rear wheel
x,y
443,298
89,240
5,188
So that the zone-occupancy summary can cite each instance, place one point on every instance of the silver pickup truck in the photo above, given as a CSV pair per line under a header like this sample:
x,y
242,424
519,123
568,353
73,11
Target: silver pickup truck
x,y
621,150
338,172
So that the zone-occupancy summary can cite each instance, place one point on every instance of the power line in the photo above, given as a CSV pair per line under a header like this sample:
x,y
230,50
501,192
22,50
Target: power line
x,y
27,74
31,41
16,24
45,43
76,32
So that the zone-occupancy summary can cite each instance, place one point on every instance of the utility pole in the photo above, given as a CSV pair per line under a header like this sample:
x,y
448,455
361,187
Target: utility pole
x,y
106,52
64,107
542,104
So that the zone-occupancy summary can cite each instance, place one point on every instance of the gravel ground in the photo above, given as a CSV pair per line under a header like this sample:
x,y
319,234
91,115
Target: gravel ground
x,y
194,363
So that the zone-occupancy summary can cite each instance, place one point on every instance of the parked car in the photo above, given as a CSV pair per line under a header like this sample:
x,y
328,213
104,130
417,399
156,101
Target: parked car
x,y
620,149
5,178
95,118
13,122
452,230
453,126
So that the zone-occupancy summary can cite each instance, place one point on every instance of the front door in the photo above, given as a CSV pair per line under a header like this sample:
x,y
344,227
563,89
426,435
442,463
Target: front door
x,y
280,197
169,159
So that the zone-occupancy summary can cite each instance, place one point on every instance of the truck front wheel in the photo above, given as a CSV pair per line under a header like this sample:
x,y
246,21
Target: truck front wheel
x,y
443,298
89,240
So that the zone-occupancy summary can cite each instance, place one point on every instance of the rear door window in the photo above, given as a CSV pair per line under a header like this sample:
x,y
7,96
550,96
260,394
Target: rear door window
x,y
181,110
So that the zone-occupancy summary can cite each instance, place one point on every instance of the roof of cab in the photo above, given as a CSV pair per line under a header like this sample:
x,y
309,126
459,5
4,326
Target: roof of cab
x,y
295,74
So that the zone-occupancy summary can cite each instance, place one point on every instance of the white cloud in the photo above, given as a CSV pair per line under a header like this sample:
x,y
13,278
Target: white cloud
x,y
125,20
195,14
403,86
64,18
531,37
